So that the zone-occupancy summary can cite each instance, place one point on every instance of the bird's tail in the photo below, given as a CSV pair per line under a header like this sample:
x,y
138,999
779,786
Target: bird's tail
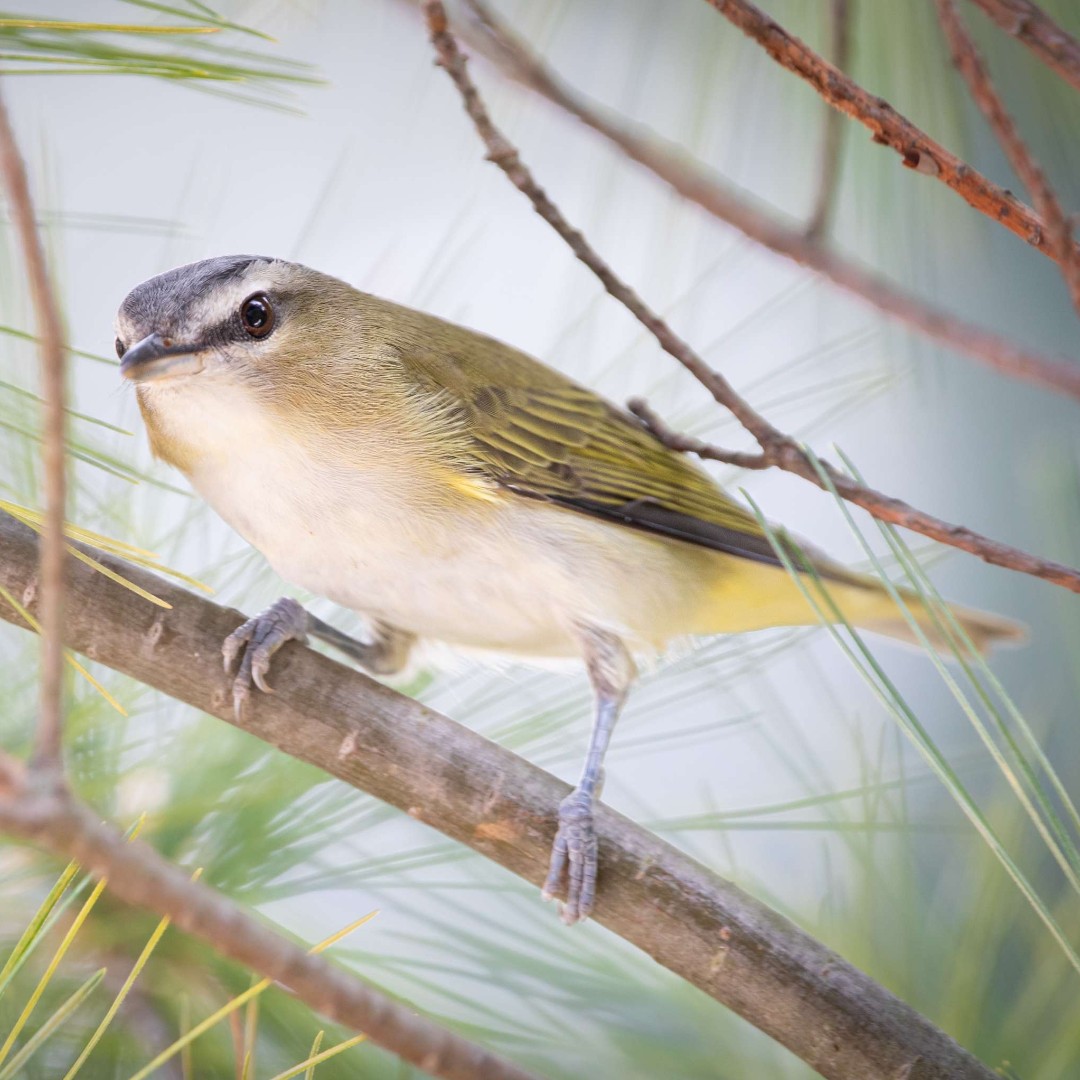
x,y
743,595
866,604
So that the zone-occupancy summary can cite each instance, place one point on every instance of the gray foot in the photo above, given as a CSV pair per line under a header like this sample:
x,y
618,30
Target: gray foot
x,y
574,858
259,638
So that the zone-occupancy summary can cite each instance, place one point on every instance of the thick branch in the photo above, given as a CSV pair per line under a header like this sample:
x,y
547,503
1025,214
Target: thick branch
x,y
695,183
690,920
971,66
1029,24
917,150
138,875
778,449
50,336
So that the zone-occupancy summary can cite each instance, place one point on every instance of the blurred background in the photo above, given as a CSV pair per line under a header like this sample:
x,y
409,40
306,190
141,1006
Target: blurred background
x,y
765,756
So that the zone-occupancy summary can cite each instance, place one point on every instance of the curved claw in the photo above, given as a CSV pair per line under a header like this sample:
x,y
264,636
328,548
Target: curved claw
x,y
258,639
574,858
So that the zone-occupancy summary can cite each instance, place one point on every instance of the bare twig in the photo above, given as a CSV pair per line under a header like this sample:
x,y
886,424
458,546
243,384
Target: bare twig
x,y
778,449
883,507
917,150
688,444
833,141
138,875
47,749
691,180
971,66
1029,24
693,922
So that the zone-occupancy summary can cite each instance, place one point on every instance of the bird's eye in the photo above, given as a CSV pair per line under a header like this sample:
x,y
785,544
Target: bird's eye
x,y
257,316
121,348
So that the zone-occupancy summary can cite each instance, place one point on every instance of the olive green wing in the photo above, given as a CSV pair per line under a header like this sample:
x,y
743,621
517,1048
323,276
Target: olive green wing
x,y
536,433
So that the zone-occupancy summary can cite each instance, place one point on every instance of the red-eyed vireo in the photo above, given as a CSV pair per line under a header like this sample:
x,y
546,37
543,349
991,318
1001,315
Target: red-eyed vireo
x,y
449,487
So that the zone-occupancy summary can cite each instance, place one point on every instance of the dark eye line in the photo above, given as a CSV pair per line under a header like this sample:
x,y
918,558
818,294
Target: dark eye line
x,y
121,348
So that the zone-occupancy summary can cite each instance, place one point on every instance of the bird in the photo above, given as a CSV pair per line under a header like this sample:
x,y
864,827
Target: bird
x,y
450,488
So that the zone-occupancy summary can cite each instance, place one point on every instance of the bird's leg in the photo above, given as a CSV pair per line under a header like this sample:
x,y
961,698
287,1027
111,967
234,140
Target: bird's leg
x,y
286,620
574,853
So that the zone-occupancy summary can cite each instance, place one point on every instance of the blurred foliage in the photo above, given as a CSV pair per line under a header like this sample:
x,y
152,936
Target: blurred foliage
x,y
886,870
191,49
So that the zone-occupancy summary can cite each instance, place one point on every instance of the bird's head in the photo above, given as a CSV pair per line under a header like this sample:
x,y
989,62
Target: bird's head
x,y
240,318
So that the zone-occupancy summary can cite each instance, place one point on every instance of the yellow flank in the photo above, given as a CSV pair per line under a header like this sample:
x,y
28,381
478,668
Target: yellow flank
x,y
474,487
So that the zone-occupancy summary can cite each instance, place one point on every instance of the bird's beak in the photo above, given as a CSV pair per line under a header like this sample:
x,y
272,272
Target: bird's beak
x,y
157,357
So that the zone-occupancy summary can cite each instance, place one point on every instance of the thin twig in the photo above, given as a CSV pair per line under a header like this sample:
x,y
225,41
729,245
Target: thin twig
x,y
47,747
970,63
138,875
688,444
691,180
687,918
917,150
833,141
1029,24
780,449
877,503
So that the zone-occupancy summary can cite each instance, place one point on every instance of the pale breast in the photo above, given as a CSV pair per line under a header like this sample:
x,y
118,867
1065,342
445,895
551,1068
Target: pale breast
x,y
381,536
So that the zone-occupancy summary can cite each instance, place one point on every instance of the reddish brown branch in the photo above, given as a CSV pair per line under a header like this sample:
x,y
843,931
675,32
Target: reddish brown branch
x,y
50,335
694,182
833,141
778,449
138,875
917,150
971,66
1031,26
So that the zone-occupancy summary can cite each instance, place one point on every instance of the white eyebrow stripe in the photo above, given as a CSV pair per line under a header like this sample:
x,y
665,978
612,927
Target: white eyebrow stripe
x,y
222,302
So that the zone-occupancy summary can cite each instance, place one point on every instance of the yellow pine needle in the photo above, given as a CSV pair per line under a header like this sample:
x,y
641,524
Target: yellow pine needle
x,y
38,920
68,655
22,23
251,1027
34,523
140,556
315,1059
310,1074
140,963
112,575
240,1000
33,1044
140,823
61,951
34,519
187,579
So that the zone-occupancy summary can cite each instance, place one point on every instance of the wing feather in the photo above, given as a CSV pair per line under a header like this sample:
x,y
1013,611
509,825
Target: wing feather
x,y
537,434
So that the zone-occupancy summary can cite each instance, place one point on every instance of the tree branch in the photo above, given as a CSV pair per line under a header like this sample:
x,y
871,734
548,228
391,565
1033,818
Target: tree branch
x,y
690,920
778,449
49,731
971,66
917,150
696,184
138,875
1030,25
833,141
